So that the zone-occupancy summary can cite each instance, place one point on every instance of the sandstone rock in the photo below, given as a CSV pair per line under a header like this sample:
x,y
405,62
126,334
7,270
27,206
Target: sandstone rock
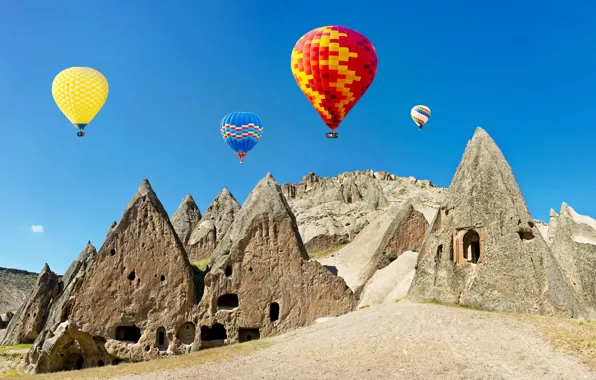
x,y
213,226
29,319
136,299
382,176
573,245
186,218
75,273
399,229
484,249
262,283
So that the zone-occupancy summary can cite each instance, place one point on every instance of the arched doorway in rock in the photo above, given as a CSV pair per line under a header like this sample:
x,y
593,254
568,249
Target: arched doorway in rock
x,y
162,342
274,311
472,247
186,333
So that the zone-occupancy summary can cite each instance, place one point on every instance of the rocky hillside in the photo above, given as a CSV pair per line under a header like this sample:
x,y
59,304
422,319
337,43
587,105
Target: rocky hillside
x,y
15,286
331,211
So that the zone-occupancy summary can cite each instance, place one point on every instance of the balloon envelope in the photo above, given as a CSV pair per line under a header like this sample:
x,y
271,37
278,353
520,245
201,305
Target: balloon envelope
x,y
420,115
241,131
333,66
80,92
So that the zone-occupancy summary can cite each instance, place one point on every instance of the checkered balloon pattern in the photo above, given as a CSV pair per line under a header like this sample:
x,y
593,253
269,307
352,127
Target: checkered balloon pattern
x,y
334,66
80,92
241,131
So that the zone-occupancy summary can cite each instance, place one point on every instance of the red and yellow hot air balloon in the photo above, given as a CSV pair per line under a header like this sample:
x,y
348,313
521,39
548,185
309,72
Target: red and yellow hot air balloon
x,y
334,66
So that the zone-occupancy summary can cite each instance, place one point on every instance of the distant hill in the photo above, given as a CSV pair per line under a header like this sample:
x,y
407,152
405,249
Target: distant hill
x,y
15,286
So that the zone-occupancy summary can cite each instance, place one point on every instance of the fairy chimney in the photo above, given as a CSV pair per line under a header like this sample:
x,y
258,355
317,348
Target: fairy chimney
x,y
484,249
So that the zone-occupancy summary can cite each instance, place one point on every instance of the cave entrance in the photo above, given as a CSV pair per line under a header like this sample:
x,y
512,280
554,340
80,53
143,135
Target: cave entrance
x,y
248,334
472,247
128,334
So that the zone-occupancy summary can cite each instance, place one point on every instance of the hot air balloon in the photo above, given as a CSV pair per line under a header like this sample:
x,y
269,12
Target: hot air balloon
x,y
420,115
241,131
80,92
333,66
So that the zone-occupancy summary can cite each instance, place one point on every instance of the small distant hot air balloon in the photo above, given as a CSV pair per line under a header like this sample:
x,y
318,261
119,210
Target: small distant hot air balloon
x,y
241,131
420,115
333,66
80,92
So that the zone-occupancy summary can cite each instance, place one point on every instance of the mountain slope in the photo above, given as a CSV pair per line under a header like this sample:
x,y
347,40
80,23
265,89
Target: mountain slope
x,y
15,286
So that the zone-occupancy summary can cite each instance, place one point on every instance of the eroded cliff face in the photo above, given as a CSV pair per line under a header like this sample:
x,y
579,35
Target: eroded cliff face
x,y
332,211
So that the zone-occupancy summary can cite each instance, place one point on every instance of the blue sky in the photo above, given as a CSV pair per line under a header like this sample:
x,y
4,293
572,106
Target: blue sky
x,y
524,71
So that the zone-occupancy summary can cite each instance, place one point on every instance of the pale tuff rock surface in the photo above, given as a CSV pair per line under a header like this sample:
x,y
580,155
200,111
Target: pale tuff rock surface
x,y
391,283
29,319
262,282
140,284
332,211
573,243
214,224
484,249
186,218
393,232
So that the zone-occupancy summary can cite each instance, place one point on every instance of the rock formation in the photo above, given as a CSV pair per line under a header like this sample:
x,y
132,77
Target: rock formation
x,y
573,243
484,249
135,300
5,319
29,319
397,230
214,225
262,282
186,218
332,211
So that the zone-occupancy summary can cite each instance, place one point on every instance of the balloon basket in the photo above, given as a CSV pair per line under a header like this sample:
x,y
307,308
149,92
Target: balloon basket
x,y
331,135
80,133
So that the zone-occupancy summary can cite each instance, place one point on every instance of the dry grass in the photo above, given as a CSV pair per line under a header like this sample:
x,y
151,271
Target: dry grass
x,y
10,356
201,264
575,337
325,252
174,362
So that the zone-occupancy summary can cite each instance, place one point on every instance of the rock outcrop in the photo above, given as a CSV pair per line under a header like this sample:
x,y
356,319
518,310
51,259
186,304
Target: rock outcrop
x,y
484,249
399,229
332,211
262,282
186,218
215,223
573,243
135,300
30,318
5,319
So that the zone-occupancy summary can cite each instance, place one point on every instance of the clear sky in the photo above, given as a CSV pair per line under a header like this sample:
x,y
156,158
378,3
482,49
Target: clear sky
x,y
522,70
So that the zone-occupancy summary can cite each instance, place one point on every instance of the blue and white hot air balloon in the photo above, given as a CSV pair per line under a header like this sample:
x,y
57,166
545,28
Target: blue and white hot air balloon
x,y
241,131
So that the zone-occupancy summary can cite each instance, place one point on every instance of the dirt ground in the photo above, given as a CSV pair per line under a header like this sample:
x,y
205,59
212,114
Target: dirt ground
x,y
401,340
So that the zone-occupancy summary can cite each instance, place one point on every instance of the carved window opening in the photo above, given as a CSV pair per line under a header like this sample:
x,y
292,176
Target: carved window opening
x,y
227,302
248,334
128,333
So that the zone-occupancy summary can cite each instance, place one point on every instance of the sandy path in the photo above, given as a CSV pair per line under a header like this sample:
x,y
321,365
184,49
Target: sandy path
x,y
399,341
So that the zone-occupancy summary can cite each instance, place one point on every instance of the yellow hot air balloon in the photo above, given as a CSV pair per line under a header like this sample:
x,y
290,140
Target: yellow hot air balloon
x,y
80,92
